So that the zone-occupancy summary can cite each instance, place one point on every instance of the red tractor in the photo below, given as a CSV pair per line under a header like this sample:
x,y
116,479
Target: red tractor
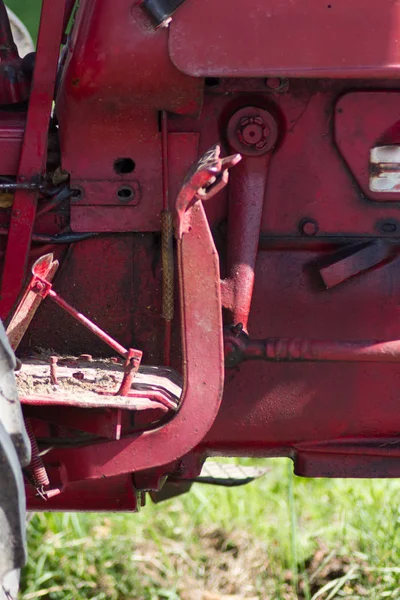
x,y
199,219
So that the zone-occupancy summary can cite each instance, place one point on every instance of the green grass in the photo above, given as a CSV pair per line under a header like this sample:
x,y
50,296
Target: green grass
x,y
29,12
279,538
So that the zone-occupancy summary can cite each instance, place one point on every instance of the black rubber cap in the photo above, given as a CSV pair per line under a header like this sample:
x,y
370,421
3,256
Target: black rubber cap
x,y
161,10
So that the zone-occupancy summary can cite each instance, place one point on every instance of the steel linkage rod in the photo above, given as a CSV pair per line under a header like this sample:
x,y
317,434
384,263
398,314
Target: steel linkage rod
x,y
239,347
167,248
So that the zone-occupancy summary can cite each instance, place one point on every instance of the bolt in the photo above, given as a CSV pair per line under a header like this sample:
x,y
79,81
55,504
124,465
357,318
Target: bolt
x,y
274,83
53,370
309,227
388,227
86,357
253,132
38,287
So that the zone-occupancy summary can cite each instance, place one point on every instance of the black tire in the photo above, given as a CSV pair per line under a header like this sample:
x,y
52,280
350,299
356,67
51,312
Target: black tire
x,y
14,454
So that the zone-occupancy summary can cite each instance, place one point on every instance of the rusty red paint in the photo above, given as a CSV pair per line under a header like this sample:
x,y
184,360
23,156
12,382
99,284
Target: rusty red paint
x,y
131,367
206,178
30,302
203,372
53,370
301,210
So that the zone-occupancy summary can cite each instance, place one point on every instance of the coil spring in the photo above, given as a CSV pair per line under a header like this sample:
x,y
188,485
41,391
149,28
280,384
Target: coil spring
x,y
36,467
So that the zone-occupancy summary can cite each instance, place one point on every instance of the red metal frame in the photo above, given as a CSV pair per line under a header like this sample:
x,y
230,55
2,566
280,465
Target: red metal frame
x,y
33,157
290,270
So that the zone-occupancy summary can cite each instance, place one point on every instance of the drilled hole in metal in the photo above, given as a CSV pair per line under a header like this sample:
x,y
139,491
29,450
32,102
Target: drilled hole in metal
x,y
77,194
122,166
125,193
212,82
388,227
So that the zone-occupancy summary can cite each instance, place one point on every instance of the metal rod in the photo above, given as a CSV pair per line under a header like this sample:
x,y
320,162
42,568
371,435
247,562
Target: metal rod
x,y
130,369
53,370
167,248
88,324
325,350
239,348
246,201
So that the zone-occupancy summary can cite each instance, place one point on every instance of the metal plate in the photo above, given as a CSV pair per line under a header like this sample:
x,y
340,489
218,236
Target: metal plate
x,y
299,38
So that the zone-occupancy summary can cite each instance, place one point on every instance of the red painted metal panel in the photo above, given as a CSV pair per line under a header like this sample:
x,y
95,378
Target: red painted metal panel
x,y
115,219
291,38
364,120
110,125
271,407
307,180
326,252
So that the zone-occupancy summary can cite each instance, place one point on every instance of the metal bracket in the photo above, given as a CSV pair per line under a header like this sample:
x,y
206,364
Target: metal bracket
x,y
205,179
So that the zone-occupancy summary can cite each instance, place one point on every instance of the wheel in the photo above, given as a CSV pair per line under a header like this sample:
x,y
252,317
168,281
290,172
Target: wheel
x,y
14,454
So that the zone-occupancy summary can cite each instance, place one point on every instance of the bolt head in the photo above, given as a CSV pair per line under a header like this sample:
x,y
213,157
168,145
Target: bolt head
x,y
309,227
38,287
253,132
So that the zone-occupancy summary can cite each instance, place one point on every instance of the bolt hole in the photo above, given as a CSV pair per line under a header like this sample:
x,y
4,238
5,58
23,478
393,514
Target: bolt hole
x,y
77,194
212,82
329,5
388,227
122,166
125,193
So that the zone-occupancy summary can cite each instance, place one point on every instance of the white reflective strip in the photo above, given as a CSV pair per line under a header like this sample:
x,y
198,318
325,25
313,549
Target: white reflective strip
x,y
384,179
